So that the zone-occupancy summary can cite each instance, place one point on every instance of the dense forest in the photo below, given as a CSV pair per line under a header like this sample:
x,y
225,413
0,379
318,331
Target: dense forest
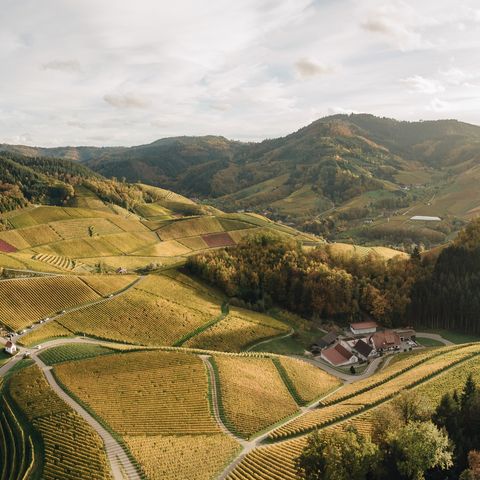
x,y
21,184
436,290
448,296
266,270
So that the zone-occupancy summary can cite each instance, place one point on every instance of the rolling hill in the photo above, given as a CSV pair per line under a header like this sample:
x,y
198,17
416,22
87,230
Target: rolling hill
x,y
354,177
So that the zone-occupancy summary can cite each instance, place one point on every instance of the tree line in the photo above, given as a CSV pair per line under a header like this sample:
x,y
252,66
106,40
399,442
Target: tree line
x,y
438,289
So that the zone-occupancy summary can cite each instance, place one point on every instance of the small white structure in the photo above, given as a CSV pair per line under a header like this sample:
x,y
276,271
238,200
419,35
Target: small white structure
x,y
10,348
424,218
363,328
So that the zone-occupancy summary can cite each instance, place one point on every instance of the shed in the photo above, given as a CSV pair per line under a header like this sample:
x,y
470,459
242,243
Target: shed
x,y
324,341
10,348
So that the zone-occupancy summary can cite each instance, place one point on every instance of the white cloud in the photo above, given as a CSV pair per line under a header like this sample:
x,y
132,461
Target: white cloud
x,y
125,100
438,105
121,72
308,68
69,66
417,83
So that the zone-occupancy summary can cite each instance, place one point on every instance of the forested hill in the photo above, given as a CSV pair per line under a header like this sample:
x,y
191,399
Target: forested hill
x,y
25,180
344,176
52,181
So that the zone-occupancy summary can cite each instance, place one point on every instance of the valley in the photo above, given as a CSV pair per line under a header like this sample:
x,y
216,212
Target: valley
x,y
157,372
213,335
354,178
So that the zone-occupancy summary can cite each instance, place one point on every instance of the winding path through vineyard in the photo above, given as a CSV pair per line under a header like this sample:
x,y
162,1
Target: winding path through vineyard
x,y
121,466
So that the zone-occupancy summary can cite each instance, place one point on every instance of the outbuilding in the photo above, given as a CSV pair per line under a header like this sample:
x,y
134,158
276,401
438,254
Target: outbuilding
x,y
338,355
10,348
425,218
324,342
363,349
363,328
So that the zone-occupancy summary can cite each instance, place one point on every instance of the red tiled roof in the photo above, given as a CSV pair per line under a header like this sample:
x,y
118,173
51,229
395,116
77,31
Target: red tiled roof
x,y
8,344
385,339
337,354
362,325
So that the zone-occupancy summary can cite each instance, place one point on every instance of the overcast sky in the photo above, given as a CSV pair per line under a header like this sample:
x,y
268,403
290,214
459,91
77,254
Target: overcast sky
x,y
124,72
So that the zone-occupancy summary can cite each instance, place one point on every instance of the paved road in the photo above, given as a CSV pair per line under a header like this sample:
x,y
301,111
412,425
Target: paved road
x,y
347,377
289,334
121,466
435,336
79,307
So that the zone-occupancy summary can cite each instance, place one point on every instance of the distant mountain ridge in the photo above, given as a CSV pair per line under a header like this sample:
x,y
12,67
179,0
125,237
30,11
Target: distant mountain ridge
x,y
338,172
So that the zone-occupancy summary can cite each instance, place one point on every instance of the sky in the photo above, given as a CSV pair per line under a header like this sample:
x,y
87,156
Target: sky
x,y
123,72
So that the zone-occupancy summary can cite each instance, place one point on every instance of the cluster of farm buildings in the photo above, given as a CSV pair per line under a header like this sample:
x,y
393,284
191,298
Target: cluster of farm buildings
x,y
364,341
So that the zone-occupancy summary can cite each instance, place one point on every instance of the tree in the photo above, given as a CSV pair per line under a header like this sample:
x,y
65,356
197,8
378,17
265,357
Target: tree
x,y
468,391
416,257
473,472
418,447
447,415
411,407
341,455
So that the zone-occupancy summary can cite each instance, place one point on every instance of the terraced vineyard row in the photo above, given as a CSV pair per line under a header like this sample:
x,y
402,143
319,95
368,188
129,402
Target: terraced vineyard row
x,y
155,392
236,331
189,228
106,284
17,453
48,331
62,430
64,263
307,382
276,462
400,364
253,394
74,351
334,412
174,457
449,381
24,301
136,317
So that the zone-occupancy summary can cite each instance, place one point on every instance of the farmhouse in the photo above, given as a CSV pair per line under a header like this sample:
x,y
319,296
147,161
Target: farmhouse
x,y
338,355
10,348
363,328
385,340
363,349
425,218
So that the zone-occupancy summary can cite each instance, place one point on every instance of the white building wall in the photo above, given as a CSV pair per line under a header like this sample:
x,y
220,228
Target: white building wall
x,y
363,331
